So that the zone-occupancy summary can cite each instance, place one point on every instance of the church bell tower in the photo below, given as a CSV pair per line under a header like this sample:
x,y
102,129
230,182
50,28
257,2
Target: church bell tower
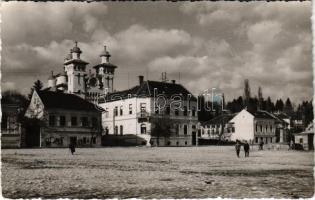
x,y
75,68
105,72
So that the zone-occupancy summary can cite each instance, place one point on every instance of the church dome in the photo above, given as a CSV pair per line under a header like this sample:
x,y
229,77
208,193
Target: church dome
x,y
76,49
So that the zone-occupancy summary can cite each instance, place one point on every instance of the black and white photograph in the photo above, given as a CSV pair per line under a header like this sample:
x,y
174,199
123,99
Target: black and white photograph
x,y
157,100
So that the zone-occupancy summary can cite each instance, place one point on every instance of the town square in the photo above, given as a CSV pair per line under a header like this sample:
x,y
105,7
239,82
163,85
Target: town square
x,y
157,100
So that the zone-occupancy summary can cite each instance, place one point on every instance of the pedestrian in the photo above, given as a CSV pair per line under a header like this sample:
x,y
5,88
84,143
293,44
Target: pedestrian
x,y
246,149
261,145
238,148
72,148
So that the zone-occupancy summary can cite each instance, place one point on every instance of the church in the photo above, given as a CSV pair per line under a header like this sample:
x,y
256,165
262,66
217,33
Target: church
x,y
75,79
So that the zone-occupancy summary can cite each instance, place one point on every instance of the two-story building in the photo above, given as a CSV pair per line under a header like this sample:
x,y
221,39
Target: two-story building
x,y
254,127
162,113
63,119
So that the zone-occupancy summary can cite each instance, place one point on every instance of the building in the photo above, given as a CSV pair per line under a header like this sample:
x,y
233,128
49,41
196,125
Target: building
x,y
162,113
254,127
57,119
11,128
74,78
306,138
212,129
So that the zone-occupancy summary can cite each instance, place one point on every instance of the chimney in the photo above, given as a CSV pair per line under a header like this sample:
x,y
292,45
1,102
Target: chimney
x,y
140,80
173,81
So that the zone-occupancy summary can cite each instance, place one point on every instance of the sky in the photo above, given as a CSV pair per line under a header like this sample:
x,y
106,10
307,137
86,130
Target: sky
x,y
202,45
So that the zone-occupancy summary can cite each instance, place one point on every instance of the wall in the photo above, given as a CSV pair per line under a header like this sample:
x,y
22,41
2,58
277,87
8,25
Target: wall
x,y
244,126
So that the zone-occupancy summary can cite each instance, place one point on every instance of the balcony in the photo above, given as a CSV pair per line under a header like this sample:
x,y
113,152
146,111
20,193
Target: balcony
x,y
143,116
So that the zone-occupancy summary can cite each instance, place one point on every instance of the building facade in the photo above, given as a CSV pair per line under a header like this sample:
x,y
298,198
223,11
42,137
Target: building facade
x,y
306,138
256,127
212,129
151,111
63,119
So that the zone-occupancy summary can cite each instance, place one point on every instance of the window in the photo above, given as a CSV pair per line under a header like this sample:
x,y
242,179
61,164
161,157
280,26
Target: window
x,y
143,107
106,130
121,130
185,129
121,110
271,128
301,140
143,129
261,129
116,130
156,110
233,129
116,111
84,121
94,122
256,139
130,109
62,120
168,110
193,111
74,121
185,110
176,111
177,129
185,142
52,120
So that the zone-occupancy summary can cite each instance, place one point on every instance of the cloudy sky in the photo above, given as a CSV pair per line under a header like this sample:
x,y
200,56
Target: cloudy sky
x,y
211,44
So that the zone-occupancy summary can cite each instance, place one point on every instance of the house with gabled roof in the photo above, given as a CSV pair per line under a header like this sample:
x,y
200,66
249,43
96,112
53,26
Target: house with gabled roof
x,y
161,113
62,119
255,127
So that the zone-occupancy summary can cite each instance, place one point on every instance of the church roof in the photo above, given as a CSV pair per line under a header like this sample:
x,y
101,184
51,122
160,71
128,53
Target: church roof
x,y
105,65
76,61
60,100
151,88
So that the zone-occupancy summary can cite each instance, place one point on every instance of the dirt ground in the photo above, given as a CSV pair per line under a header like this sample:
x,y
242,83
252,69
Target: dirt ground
x,y
157,172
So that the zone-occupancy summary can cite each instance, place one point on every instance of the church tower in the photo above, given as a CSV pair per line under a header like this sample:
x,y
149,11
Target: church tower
x,y
105,72
75,68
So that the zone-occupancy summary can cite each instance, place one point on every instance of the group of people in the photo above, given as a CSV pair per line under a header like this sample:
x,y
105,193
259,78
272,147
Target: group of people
x,y
238,148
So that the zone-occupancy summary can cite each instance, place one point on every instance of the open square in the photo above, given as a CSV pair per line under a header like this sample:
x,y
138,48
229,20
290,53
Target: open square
x,y
142,172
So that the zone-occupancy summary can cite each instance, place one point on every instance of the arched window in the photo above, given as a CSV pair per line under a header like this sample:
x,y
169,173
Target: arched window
x,y
143,129
116,130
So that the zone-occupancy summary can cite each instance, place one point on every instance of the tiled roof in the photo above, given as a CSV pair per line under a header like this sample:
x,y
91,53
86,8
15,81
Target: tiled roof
x,y
262,114
218,120
151,88
65,101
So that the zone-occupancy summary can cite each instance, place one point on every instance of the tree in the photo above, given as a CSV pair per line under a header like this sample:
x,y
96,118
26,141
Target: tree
x,y
16,98
246,92
269,105
161,128
279,105
38,85
260,98
288,108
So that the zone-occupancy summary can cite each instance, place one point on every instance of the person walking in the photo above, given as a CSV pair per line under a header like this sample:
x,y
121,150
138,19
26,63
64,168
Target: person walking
x,y
72,148
246,149
237,148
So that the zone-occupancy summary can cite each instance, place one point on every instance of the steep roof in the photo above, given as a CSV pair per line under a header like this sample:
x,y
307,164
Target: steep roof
x,y
65,101
261,114
151,88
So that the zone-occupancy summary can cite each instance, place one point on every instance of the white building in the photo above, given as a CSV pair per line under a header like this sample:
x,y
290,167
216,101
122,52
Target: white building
x,y
306,138
254,127
162,113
